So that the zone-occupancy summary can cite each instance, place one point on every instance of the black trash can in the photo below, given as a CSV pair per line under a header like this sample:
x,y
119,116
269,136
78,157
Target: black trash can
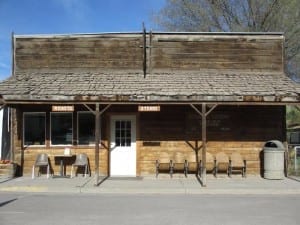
x,y
274,160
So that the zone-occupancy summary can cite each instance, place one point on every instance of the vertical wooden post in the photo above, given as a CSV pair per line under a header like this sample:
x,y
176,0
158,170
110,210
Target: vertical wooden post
x,y
204,115
203,175
13,62
145,51
97,142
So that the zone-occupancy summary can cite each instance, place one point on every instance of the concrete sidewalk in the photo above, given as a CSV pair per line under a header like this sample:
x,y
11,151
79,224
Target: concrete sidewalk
x,y
151,185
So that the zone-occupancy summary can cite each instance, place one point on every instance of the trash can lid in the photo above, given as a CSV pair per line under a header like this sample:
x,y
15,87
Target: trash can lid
x,y
274,144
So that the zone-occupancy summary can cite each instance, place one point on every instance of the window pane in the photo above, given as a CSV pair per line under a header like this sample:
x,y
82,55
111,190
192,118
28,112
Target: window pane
x,y
122,124
128,142
34,128
86,128
122,142
123,133
61,129
118,143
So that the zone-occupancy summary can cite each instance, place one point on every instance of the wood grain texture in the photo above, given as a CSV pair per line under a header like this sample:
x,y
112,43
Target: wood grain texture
x,y
79,52
223,52
176,128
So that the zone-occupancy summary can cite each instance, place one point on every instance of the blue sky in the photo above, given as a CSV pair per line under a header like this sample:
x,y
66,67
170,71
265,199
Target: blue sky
x,y
70,16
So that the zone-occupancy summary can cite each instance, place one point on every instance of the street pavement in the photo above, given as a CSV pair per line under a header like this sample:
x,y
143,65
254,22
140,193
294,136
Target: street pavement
x,y
151,185
147,209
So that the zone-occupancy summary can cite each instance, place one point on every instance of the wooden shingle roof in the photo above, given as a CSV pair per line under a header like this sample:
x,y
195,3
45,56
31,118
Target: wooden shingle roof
x,y
158,86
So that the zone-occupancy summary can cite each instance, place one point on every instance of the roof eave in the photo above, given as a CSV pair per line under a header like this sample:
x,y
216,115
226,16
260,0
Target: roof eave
x,y
158,99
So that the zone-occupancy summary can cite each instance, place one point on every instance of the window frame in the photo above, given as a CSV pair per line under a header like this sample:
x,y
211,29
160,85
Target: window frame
x,y
45,131
50,131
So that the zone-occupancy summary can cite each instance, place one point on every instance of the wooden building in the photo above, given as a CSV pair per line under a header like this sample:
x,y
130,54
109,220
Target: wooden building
x,y
148,93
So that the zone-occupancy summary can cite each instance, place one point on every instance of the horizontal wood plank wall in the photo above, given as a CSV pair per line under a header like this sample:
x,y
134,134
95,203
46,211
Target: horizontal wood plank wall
x,y
25,156
242,129
166,51
232,52
99,51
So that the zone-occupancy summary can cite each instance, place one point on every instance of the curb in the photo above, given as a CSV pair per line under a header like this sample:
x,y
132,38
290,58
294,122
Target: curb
x,y
183,191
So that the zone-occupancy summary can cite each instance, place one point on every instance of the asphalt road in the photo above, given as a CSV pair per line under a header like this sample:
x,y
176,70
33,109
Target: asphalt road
x,y
87,209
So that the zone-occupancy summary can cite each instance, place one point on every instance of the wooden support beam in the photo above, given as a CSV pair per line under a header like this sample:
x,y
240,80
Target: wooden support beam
x,y
196,109
97,142
203,172
13,54
2,106
97,114
144,51
94,112
211,109
89,108
203,113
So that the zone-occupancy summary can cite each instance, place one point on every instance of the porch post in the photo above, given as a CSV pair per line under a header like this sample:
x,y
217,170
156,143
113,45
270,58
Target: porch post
x,y
97,142
203,115
203,172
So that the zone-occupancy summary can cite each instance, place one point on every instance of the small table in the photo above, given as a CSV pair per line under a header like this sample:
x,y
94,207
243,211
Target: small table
x,y
62,164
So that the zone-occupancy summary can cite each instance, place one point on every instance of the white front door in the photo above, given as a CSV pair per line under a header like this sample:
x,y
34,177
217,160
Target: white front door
x,y
123,146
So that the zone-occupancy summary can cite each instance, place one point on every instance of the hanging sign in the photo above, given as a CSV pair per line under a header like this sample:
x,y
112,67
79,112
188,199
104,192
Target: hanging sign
x,y
62,108
149,108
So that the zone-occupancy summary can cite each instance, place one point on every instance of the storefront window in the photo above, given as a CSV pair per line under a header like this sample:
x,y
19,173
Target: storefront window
x,y
86,128
34,128
61,128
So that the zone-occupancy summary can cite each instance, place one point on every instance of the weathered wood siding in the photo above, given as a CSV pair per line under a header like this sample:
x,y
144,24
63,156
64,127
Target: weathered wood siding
x,y
229,52
164,51
230,129
25,156
90,51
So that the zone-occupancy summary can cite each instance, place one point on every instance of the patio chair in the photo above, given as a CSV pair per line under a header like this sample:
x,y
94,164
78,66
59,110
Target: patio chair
x,y
179,162
164,163
210,164
222,163
237,163
41,161
81,161
191,163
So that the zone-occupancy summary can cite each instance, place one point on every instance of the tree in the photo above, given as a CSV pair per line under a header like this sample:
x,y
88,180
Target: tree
x,y
292,116
238,16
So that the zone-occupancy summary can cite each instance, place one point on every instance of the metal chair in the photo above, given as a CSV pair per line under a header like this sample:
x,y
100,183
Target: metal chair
x,y
191,163
41,161
164,163
179,162
210,164
222,163
237,163
81,161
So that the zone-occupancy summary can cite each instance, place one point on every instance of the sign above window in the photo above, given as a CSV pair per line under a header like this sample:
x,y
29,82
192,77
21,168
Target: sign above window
x,y
62,108
149,108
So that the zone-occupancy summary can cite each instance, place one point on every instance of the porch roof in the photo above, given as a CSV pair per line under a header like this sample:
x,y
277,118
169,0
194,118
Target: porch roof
x,y
131,86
